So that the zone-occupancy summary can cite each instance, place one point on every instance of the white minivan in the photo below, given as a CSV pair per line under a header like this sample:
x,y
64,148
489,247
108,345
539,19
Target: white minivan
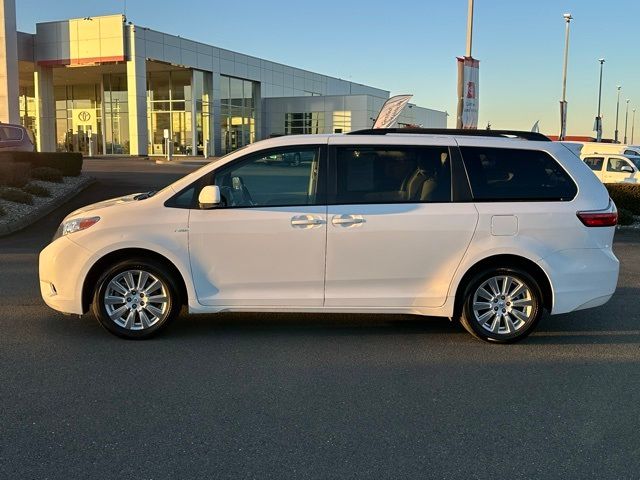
x,y
484,227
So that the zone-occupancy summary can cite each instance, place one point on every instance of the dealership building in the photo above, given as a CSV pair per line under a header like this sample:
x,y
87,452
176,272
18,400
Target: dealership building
x,y
131,90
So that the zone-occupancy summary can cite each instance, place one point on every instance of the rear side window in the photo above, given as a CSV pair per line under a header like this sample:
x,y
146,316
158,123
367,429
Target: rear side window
x,y
505,174
393,174
11,133
594,163
630,152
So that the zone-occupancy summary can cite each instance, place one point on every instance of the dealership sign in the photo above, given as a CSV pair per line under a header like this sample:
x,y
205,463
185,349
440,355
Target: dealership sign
x,y
468,102
85,118
391,110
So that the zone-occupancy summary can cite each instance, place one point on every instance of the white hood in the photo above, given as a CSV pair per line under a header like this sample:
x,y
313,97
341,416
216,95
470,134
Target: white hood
x,y
103,204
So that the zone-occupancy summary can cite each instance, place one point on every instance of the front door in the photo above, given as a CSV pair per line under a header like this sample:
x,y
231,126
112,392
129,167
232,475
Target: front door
x,y
614,172
394,236
265,245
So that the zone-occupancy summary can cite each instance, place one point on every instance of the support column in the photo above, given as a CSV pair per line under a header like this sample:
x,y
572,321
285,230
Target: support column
x,y
9,90
207,96
137,95
45,109
197,80
216,115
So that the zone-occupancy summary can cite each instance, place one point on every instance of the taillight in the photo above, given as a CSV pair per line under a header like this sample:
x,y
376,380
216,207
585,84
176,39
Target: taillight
x,y
599,219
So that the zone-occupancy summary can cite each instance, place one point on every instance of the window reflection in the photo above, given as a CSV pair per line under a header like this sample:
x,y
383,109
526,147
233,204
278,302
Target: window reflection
x,y
237,123
169,98
304,123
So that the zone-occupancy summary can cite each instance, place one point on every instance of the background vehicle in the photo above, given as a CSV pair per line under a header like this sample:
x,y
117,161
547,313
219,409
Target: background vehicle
x,y
15,138
471,225
293,159
614,168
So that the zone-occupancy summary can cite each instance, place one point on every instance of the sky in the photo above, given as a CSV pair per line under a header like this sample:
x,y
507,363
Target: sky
x,y
411,47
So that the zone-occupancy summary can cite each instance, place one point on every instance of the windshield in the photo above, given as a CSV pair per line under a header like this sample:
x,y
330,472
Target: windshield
x,y
635,160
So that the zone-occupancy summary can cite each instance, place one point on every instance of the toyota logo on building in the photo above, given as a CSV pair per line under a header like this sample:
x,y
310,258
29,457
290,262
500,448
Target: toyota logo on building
x,y
84,116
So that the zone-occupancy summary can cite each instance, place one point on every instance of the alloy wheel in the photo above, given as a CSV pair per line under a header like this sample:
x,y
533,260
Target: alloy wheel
x,y
136,300
503,305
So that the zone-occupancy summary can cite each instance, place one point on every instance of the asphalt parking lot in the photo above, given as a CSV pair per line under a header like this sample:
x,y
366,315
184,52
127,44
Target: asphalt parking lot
x,y
309,396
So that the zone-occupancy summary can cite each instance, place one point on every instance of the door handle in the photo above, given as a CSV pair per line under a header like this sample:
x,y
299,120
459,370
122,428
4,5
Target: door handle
x,y
306,221
347,220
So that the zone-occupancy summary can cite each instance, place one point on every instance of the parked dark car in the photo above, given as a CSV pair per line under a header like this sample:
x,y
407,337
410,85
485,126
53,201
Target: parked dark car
x,y
15,138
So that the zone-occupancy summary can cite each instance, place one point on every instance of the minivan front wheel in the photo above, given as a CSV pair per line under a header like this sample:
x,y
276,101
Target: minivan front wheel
x,y
502,305
135,299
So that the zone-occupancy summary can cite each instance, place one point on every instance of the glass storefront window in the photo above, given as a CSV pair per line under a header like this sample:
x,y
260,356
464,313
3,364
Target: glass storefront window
x,y
169,106
116,114
304,123
27,105
71,136
341,121
237,123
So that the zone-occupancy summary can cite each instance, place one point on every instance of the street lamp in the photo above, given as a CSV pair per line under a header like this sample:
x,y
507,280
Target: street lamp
x,y
615,136
563,102
626,121
633,124
599,117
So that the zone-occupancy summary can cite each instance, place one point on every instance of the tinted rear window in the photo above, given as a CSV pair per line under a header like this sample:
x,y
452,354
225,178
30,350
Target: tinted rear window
x,y
11,133
393,174
505,174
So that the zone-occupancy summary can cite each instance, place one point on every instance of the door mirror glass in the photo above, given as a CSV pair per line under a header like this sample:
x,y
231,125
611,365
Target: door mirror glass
x,y
626,168
209,197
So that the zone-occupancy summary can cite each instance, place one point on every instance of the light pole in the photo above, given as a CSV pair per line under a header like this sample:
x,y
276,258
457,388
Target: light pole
x,y
626,121
563,102
469,27
633,124
615,136
599,117
461,93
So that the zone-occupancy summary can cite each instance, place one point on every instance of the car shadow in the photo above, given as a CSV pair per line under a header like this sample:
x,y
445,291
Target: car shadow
x,y
606,325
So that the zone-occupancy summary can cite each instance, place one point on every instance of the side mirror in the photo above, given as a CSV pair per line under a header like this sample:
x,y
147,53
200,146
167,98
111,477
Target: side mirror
x,y
626,168
209,197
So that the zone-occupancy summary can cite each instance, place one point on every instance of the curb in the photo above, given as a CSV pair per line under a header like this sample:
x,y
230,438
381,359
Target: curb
x,y
46,209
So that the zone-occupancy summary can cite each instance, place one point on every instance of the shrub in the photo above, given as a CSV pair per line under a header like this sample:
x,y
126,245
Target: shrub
x,y
14,174
15,195
625,217
37,190
69,163
626,196
47,174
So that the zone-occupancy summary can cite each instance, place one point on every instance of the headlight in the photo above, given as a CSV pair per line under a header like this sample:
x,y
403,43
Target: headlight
x,y
75,225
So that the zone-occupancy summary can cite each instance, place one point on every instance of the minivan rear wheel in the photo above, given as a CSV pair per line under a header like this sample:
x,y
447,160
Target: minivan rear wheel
x,y
501,305
135,299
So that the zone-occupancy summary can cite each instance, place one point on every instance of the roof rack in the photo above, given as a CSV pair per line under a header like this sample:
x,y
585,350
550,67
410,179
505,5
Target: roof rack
x,y
533,136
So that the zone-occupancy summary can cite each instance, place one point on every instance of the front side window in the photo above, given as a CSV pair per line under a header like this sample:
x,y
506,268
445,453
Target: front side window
x,y
506,174
630,152
381,174
595,163
277,178
616,164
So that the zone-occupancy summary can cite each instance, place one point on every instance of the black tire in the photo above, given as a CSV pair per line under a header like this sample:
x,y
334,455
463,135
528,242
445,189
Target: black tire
x,y
168,289
500,303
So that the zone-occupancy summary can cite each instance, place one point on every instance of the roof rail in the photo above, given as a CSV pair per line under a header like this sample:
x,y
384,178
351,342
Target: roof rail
x,y
534,136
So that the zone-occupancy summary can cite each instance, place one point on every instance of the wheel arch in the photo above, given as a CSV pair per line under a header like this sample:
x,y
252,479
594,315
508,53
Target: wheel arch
x,y
506,261
123,254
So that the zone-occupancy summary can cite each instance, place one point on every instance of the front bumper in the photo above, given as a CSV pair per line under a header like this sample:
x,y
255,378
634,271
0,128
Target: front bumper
x,y
62,268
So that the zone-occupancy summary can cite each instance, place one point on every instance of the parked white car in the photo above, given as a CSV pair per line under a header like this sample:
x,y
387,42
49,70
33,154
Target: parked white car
x,y
486,229
614,168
